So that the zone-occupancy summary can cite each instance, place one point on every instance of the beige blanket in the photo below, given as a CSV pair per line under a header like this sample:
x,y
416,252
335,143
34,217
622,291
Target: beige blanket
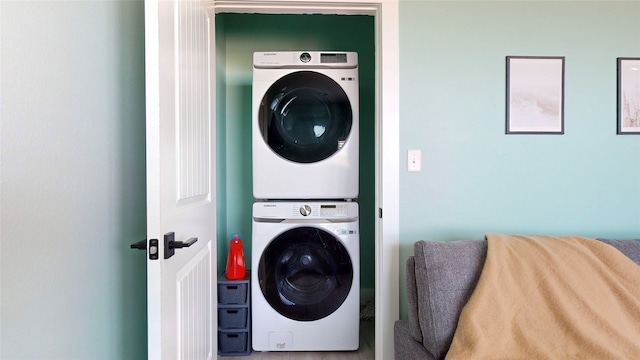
x,y
543,297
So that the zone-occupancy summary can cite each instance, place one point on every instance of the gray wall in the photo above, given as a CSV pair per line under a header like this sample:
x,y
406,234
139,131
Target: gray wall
x,y
72,180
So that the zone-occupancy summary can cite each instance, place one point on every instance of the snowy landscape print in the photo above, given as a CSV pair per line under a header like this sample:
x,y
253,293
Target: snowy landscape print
x,y
629,95
535,91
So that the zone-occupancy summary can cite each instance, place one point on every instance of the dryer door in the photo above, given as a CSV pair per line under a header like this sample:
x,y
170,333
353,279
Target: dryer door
x,y
305,117
305,273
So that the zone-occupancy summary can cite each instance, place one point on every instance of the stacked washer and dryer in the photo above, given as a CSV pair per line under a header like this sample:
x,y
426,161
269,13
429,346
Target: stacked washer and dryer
x,y
305,279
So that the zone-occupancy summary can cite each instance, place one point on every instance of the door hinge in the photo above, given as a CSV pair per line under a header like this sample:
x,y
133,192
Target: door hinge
x,y
380,213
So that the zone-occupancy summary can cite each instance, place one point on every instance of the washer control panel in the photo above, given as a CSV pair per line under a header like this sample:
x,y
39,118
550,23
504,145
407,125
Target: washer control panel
x,y
326,210
322,210
334,210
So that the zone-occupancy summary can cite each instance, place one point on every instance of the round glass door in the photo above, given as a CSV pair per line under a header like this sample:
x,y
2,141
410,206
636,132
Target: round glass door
x,y
305,274
305,117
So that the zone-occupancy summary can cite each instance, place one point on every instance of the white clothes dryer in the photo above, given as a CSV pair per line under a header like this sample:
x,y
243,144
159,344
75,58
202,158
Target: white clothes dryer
x,y
305,133
305,277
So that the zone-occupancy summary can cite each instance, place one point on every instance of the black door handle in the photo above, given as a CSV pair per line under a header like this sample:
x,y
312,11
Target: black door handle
x,y
140,245
170,244
180,244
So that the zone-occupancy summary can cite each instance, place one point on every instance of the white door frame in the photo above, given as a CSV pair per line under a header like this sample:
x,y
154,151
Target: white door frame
x,y
387,141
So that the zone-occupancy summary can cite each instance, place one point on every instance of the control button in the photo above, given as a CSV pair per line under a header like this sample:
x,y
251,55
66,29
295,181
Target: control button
x,y
305,57
305,210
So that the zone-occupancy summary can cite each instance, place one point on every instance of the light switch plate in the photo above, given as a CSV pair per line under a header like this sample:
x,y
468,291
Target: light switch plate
x,y
414,160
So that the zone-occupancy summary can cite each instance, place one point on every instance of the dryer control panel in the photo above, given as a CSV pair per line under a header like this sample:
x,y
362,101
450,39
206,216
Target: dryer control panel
x,y
304,59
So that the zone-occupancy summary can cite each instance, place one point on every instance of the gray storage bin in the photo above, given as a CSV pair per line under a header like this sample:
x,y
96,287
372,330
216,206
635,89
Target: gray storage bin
x,y
233,343
233,293
233,317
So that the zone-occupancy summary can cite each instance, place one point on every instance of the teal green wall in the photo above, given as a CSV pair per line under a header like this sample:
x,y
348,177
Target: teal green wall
x,y
239,36
72,180
475,179
72,79
221,146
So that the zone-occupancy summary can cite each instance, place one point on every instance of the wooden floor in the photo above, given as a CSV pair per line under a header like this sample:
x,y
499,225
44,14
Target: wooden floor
x,y
365,352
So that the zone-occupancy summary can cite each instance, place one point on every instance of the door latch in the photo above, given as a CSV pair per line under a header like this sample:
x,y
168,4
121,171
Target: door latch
x,y
153,247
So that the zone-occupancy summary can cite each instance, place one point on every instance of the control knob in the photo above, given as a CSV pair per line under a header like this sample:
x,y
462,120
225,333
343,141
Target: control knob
x,y
305,210
305,57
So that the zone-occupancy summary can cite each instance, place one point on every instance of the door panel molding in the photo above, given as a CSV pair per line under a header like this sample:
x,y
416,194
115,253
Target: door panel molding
x,y
192,102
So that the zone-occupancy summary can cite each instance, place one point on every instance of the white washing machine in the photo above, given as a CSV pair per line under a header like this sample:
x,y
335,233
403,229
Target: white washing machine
x,y
305,133
305,277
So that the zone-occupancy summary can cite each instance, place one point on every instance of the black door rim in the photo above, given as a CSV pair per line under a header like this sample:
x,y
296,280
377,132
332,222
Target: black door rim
x,y
305,273
305,117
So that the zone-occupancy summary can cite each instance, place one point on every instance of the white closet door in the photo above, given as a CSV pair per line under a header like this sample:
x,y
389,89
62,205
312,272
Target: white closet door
x,y
180,180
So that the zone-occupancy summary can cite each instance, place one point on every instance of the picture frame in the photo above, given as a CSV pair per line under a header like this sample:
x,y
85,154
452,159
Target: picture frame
x,y
535,95
628,96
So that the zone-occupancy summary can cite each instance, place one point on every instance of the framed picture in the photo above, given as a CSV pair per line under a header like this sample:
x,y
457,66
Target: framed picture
x,y
628,95
535,95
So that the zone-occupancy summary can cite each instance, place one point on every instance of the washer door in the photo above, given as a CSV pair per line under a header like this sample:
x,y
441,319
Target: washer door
x,y
305,117
305,273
